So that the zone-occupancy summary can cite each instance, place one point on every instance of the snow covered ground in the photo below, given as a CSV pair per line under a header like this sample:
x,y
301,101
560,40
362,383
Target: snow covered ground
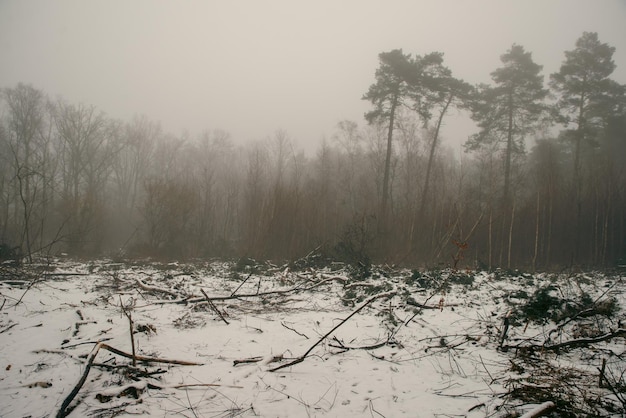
x,y
429,350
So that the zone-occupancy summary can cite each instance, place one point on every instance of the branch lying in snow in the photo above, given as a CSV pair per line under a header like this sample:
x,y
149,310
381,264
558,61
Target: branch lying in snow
x,y
154,288
212,305
340,345
233,296
272,359
135,389
63,411
357,310
541,410
620,332
424,306
149,359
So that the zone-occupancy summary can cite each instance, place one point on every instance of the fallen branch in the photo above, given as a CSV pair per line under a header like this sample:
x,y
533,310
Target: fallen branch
x,y
131,390
505,329
340,345
63,346
234,296
357,310
291,329
212,305
540,410
155,289
193,385
250,360
149,359
242,283
126,311
268,293
620,332
8,328
424,306
63,410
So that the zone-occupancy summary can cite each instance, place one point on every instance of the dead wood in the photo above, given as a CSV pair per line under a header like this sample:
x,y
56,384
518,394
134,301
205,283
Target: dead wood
x,y
133,390
274,359
257,294
3,330
357,310
620,332
505,329
340,345
601,377
63,410
126,311
154,288
78,324
292,329
212,305
241,284
129,370
148,359
424,306
193,385
541,410
85,342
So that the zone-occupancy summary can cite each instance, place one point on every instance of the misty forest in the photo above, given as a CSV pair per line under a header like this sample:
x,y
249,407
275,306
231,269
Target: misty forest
x,y
541,185
147,273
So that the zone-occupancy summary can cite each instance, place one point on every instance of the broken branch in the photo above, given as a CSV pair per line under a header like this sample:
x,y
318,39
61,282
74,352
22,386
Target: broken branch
x,y
212,305
63,411
357,310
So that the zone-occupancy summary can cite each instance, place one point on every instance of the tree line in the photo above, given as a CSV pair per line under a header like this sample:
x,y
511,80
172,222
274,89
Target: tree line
x,y
74,180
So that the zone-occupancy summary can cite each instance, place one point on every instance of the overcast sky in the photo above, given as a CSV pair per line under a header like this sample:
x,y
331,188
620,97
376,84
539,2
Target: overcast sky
x,y
253,67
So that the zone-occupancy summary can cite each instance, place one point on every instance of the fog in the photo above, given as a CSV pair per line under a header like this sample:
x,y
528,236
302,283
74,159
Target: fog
x,y
253,67
238,129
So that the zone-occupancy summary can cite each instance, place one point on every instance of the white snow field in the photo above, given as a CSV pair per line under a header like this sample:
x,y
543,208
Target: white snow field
x,y
430,344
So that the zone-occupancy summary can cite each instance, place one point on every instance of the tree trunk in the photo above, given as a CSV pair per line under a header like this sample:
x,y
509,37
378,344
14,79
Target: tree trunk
x,y
511,234
509,153
536,235
431,157
385,197
577,174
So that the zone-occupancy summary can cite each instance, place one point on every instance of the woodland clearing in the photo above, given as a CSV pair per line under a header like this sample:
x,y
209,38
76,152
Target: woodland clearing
x,y
226,339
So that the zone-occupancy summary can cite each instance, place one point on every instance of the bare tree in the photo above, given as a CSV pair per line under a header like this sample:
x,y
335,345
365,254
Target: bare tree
x,y
27,143
86,151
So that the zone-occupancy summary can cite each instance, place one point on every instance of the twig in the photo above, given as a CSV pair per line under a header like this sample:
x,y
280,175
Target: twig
x,y
601,378
8,328
291,329
485,367
242,283
372,410
130,325
208,299
193,385
363,305
274,359
618,394
30,285
85,342
344,347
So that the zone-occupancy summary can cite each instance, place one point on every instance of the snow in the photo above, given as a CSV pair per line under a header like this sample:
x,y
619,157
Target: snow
x,y
440,362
